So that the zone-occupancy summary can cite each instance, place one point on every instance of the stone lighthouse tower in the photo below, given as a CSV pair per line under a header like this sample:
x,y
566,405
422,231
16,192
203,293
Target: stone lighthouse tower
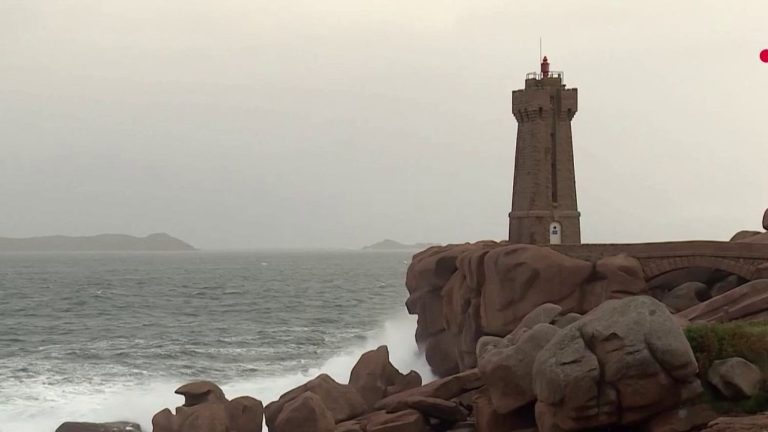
x,y
544,209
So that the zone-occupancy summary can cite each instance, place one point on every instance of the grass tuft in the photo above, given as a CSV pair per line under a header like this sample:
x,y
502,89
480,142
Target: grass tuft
x,y
712,342
719,341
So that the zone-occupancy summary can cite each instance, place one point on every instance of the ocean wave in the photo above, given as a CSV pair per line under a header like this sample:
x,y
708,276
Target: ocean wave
x,y
43,403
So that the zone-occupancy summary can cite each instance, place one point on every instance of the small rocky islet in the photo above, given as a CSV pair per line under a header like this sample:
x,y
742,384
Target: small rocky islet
x,y
524,338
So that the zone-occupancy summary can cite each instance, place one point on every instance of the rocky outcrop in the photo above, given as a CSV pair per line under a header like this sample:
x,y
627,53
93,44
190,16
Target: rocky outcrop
x,y
682,419
755,423
429,272
735,377
444,287
206,409
402,421
625,361
375,378
743,235
666,282
438,405
506,365
463,292
615,277
322,404
521,277
760,238
765,220
350,426
98,427
245,413
526,339
342,401
542,314
304,413
200,392
438,409
444,388
487,419
746,302
686,296
725,285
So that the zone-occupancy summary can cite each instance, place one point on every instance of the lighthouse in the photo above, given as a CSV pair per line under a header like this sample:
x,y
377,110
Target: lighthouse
x,y
544,208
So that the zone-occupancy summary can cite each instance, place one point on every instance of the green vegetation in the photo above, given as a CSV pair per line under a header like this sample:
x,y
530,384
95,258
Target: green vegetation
x,y
712,342
756,404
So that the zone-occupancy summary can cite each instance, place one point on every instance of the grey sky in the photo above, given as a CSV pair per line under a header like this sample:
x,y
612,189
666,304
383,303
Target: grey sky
x,y
243,124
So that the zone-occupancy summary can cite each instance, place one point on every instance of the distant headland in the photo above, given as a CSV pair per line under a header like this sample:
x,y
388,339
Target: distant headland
x,y
393,245
96,243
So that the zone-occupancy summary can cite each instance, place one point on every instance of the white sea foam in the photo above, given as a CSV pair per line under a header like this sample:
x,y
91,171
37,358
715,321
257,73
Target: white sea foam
x,y
40,406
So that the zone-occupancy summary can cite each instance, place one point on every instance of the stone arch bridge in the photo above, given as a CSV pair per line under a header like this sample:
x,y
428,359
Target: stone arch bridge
x,y
748,260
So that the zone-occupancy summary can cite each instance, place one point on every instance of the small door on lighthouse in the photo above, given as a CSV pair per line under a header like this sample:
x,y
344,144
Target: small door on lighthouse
x,y
555,233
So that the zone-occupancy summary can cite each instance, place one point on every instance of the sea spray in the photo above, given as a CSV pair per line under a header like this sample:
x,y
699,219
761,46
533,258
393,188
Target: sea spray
x,y
396,333
44,406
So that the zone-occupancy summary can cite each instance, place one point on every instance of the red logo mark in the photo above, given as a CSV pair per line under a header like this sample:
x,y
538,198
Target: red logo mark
x,y
764,56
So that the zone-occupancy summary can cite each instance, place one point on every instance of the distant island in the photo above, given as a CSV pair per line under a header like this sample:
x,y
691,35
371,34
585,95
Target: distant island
x,y
393,245
97,243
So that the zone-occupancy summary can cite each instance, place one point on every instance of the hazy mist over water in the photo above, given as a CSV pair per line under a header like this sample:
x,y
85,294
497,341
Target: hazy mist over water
x,y
105,337
314,128
246,124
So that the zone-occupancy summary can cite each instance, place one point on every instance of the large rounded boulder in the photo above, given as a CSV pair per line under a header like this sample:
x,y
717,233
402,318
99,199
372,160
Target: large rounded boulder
x,y
506,365
342,401
735,378
519,278
305,413
464,292
623,362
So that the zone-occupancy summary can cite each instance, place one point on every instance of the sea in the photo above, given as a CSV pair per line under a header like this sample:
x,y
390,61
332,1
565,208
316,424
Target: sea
x,y
109,336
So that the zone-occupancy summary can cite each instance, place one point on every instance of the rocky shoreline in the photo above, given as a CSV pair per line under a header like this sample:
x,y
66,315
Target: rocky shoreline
x,y
524,338
626,365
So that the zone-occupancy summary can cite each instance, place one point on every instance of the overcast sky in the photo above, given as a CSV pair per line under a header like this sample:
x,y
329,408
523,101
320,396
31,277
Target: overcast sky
x,y
337,123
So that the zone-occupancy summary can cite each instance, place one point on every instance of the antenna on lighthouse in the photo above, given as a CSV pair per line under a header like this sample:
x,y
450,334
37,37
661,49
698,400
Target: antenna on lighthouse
x,y
539,49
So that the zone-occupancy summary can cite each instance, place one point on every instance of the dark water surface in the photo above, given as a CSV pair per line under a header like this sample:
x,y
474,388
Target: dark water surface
x,y
109,336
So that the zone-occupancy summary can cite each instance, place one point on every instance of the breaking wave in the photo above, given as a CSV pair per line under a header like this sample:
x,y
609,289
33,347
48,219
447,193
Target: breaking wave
x,y
42,403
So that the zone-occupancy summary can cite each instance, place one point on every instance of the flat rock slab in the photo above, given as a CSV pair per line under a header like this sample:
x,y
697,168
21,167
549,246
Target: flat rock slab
x,y
436,408
350,426
738,424
98,427
445,388
682,419
403,421
746,302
